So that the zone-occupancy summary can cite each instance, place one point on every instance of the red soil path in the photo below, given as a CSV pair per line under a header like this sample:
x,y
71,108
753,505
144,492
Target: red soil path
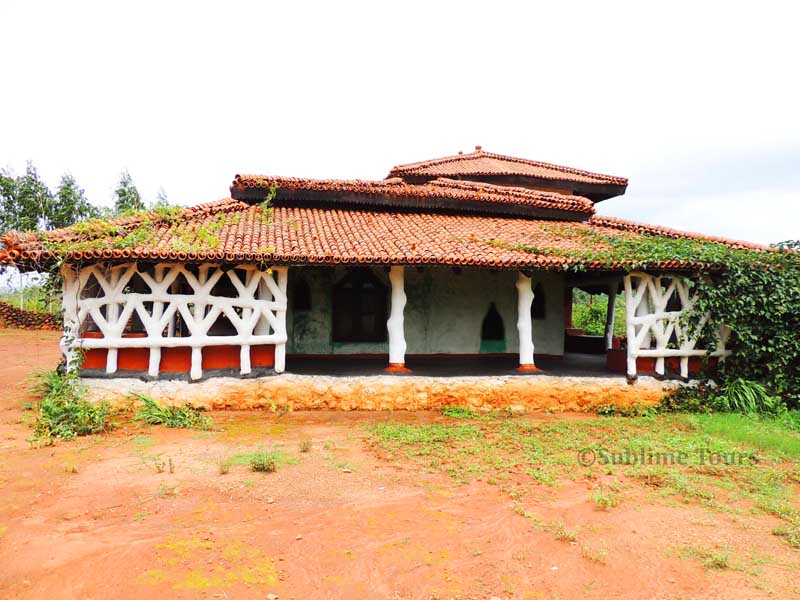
x,y
342,522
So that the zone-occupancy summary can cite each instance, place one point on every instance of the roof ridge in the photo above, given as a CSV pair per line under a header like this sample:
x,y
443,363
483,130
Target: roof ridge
x,y
484,154
501,189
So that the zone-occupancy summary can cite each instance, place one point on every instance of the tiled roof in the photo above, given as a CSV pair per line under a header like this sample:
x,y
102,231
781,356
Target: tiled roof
x,y
481,163
634,226
439,193
234,231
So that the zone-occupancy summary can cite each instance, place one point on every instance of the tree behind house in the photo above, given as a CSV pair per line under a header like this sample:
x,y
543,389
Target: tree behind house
x,y
126,196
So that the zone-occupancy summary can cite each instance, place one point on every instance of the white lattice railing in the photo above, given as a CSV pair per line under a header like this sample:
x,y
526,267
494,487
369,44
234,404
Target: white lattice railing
x,y
257,312
650,326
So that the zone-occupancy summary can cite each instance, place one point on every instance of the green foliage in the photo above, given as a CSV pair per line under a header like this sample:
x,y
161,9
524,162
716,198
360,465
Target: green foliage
x,y
126,196
589,313
70,204
26,203
264,462
458,412
266,205
63,411
423,434
755,293
635,410
761,305
744,396
36,298
154,413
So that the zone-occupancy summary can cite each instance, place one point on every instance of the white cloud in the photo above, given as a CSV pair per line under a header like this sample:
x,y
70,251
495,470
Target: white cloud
x,y
186,94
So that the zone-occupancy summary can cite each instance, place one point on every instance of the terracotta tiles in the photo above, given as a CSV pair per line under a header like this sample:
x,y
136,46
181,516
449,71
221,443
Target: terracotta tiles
x,y
633,226
234,231
488,163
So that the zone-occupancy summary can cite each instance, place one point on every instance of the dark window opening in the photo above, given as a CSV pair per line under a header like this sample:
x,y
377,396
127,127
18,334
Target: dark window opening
x,y
360,304
301,296
222,325
137,285
492,327
538,305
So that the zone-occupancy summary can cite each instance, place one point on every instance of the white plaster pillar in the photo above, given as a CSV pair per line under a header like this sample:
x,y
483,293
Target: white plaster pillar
x,y
280,348
397,338
524,324
70,295
196,371
630,328
112,316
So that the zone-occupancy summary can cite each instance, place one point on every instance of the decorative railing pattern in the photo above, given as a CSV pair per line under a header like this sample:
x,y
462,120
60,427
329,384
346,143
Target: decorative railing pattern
x,y
656,332
257,311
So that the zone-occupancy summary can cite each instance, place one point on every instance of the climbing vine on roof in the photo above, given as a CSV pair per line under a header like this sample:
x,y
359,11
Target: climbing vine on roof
x,y
756,293
632,251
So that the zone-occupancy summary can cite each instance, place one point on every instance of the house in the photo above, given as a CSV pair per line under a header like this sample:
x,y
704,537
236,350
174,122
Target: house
x,y
470,255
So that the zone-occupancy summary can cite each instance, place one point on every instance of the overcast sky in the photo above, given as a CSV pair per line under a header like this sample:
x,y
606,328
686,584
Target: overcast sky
x,y
696,103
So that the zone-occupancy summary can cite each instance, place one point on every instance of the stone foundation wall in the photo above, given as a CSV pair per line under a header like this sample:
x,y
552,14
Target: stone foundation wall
x,y
385,392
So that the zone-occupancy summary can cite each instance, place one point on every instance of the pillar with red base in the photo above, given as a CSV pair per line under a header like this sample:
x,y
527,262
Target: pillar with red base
x,y
397,338
524,323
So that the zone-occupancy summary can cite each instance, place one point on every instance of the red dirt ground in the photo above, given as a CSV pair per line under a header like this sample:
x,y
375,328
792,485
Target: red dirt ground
x,y
94,518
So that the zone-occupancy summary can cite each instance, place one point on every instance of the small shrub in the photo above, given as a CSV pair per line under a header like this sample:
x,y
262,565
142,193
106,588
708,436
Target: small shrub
x,y
223,465
605,498
717,560
305,445
563,534
154,413
745,396
264,462
738,395
63,411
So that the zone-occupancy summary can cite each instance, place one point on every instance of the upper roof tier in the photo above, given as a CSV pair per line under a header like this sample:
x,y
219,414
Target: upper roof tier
x,y
438,194
508,170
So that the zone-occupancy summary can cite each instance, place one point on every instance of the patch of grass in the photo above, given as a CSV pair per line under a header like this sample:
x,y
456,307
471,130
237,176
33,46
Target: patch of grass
x,y
605,498
711,559
790,533
423,434
63,411
764,433
755,458
458,412
264,461
153,412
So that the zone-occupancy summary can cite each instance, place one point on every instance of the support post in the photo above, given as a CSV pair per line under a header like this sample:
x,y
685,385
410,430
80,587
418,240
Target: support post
x,y
280,348
524,324
69,301
630,328
612,297
397,338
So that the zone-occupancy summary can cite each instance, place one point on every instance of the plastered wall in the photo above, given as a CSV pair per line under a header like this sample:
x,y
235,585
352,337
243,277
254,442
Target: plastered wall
x,y
444,313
